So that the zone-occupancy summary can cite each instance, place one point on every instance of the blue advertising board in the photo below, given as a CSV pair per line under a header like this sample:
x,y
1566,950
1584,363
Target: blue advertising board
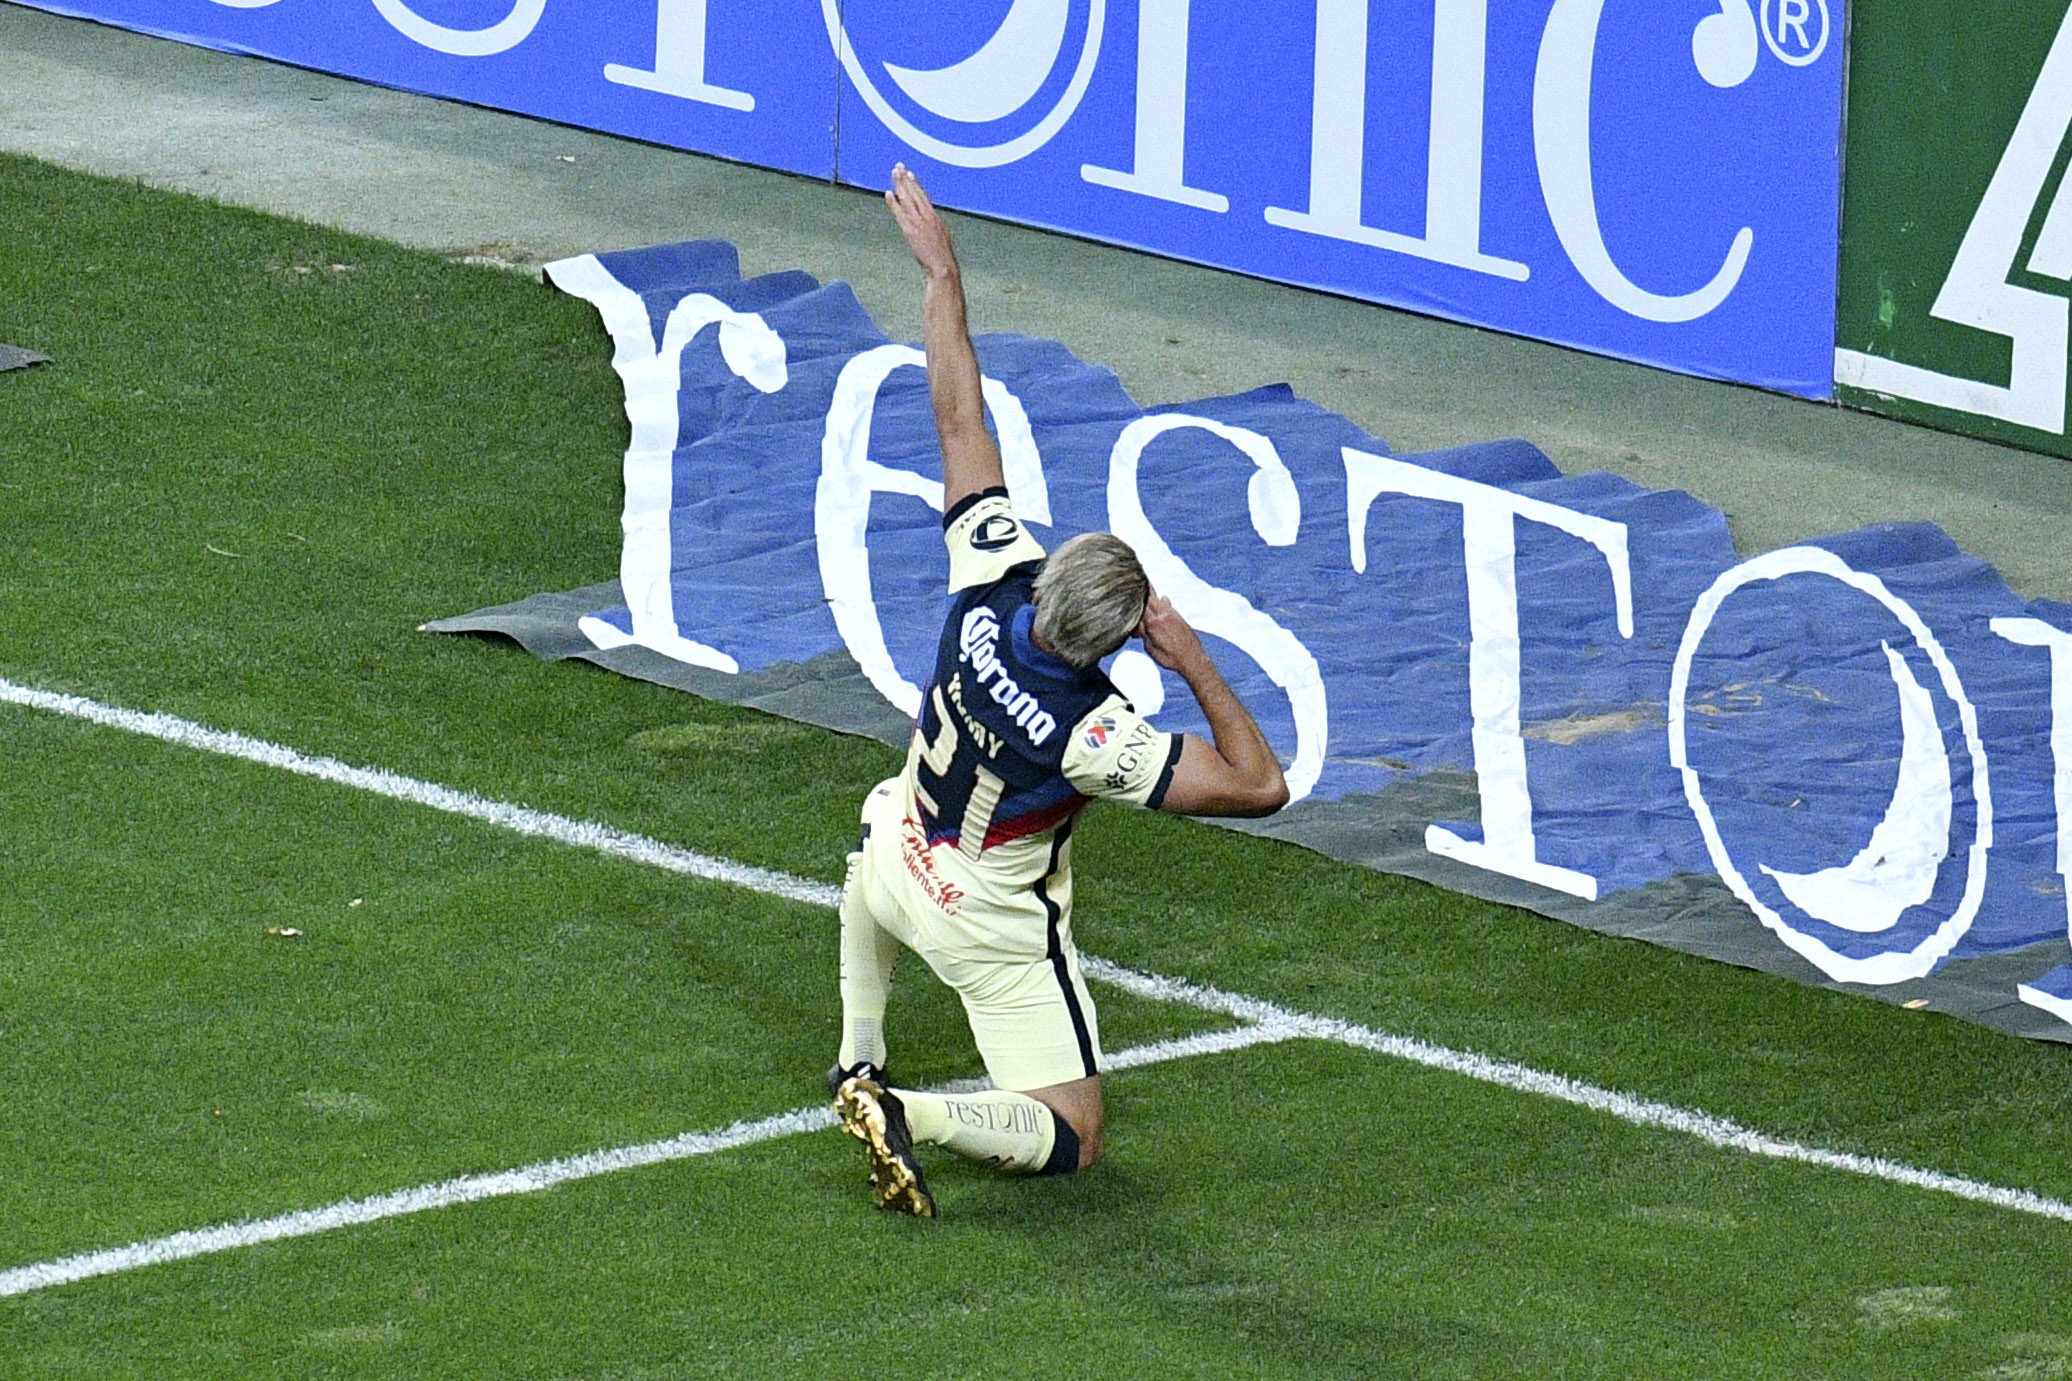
x,y
1653,179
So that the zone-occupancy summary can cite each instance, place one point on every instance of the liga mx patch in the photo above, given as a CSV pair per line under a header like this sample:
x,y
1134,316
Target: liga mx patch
x,y
1097,733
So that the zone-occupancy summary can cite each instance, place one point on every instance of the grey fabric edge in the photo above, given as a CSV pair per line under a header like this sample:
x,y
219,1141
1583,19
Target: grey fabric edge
x,y
1691,913
829,691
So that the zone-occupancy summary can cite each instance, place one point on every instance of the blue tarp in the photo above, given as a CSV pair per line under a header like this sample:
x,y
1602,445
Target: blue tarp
x,y
1851,742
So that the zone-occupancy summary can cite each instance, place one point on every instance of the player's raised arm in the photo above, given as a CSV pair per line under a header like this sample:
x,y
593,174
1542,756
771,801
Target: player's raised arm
x,y
1238,774
970,456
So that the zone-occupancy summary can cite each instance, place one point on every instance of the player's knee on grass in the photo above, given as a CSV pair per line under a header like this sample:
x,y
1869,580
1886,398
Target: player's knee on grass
x,y
1065,1149
1088,1146
1078,1107
1083,1130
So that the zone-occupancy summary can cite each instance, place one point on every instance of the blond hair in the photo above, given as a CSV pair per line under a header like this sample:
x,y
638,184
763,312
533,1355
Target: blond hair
x,y
1090,597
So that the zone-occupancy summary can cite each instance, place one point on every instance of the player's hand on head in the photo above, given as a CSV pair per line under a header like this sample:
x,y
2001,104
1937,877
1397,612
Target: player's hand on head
x,y
919,222
1168,639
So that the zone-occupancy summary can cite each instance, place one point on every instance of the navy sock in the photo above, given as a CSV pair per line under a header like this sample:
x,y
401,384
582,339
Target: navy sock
x,y
1064,1149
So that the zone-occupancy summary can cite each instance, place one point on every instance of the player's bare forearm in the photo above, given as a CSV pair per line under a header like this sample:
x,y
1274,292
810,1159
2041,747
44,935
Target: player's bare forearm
x,y
971,458
1240,775
1262,789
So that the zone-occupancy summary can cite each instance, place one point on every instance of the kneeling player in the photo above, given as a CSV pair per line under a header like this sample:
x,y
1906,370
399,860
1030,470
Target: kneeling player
x,y
966,855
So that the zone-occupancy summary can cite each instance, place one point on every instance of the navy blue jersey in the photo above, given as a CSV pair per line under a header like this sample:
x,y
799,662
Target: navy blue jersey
x,y
1012,741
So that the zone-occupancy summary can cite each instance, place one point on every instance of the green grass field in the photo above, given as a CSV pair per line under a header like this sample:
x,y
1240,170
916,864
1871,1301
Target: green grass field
x,y
266,452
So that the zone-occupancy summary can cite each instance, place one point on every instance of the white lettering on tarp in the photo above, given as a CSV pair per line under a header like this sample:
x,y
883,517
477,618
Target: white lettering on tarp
x,y
653,377
1453,169
848,478
842,514
1978,293
679,68
1561,145
507,33
2037,633
1868,894
1896,869
1276,513
1489,517
1139,680
1156,169
1895,966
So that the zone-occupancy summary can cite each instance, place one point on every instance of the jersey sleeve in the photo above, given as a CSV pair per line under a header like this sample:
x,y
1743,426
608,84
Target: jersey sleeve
x,y
985,539
1114,752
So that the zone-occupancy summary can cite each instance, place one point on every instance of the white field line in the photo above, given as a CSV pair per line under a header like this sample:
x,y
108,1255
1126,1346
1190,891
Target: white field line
x,y
584,834
1266,1022
1641,1112
530,1179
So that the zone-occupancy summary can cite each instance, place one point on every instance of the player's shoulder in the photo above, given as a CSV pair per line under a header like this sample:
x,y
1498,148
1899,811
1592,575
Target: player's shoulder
x,y
985,538
1115,752
983,521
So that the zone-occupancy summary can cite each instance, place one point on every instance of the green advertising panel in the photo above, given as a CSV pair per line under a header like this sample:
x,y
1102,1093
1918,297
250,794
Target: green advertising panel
x,y
1956,221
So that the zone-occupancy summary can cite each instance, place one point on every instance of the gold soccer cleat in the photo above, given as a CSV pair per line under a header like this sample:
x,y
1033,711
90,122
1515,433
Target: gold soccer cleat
x,y
873,1115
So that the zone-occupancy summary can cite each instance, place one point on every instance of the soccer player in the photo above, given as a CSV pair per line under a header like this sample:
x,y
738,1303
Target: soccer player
x,y
966,854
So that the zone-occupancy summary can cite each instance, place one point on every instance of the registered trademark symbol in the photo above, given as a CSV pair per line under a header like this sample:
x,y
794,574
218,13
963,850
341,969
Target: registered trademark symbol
x,y
1790,32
